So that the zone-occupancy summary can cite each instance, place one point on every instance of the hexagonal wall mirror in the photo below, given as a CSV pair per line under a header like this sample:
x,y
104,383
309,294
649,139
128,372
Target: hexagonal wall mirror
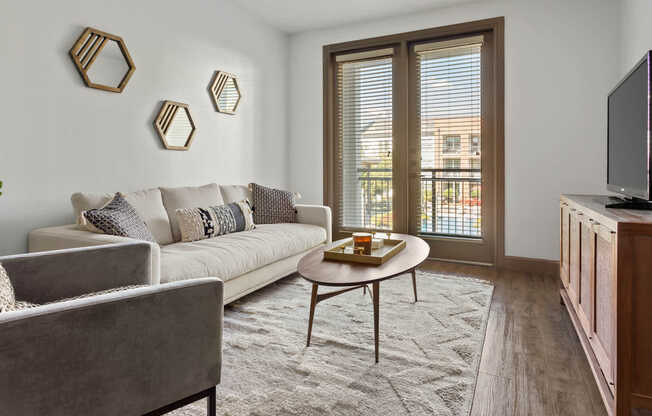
x,y
225,92
102,60
174,126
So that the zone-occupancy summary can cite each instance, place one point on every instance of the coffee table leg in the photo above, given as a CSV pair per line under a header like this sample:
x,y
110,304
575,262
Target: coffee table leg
x,y
376,293
313,303
414,283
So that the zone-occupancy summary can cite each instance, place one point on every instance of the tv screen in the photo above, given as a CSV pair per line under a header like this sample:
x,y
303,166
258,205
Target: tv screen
x,y
627,143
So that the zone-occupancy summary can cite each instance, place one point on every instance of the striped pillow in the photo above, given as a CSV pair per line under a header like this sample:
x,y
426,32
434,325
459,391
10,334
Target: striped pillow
x,y
201,223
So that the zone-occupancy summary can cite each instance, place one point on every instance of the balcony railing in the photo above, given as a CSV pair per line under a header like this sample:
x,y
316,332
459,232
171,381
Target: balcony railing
x,y
450,200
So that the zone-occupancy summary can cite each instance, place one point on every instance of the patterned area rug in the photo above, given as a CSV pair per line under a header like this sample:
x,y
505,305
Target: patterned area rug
x,y
429,351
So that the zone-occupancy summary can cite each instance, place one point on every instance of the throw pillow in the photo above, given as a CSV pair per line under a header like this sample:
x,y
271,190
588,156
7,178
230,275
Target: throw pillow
x,y
272,206
7,297
201,223
189,197
118,217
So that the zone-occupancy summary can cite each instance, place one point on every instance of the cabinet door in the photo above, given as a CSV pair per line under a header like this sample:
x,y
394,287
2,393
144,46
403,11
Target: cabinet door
x,y
564,243
574,259
587,274
603,337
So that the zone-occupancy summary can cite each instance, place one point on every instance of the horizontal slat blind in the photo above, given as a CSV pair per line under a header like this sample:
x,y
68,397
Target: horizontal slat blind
x,y
364,112
449,113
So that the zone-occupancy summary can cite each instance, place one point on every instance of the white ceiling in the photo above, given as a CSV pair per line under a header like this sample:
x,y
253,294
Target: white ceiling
x,y
300,15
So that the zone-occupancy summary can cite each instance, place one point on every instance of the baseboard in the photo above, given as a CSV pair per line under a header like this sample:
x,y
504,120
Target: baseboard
x,y
530,265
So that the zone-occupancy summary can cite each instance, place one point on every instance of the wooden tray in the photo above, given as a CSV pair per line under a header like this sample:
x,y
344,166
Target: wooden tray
x,y
377,257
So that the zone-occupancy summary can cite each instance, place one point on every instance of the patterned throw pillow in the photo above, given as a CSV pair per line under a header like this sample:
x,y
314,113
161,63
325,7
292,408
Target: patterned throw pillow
x,y
7,297
200,223
272,206
118,217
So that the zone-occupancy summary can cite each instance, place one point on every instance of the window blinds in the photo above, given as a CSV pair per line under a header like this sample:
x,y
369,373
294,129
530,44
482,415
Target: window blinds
x,y
364,115
449,113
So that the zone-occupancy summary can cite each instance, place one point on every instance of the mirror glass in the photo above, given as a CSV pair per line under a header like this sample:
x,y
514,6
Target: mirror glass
x,y
228,99
109,67
179,129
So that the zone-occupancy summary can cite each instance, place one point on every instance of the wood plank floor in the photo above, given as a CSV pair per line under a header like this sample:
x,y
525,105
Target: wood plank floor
x,y
532,361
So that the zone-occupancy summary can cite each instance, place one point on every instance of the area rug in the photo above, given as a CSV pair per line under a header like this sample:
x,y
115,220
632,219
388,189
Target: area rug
x,y
429,350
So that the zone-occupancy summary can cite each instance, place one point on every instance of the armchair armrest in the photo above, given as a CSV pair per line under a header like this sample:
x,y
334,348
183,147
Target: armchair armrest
x,y
59,274
121,353
316,215
70,236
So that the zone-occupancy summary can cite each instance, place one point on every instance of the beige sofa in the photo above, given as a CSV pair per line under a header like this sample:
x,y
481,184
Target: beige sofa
x,y
245,261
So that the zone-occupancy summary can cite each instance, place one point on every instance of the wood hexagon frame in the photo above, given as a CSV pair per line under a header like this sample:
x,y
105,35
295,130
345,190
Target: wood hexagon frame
x,y
217,87
86,50
164,119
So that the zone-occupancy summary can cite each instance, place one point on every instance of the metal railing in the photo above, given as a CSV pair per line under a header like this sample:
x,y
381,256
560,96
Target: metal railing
x,y
450,200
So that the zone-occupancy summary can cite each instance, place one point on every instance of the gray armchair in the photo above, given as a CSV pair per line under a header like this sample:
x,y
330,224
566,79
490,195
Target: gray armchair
x,y
138,351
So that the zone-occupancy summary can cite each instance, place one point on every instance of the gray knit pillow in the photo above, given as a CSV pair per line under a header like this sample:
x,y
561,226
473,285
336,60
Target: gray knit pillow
x,y
272,206
118,217
7,297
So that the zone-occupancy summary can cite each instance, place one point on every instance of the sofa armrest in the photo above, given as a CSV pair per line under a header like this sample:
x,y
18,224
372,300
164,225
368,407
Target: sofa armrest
x,y
316,215
70,236
121,353
53,275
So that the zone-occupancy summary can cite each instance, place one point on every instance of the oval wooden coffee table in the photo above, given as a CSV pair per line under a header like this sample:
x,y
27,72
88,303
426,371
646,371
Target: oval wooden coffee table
x,y
314,268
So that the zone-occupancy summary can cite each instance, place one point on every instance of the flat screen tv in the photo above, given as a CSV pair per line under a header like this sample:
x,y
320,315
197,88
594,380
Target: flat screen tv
x,y
628,137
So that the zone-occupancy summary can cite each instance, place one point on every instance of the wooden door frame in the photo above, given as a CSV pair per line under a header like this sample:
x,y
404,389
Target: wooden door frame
x,y
403,186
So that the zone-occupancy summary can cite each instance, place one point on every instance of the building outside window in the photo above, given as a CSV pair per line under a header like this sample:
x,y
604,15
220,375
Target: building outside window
x,y
475,145
452,144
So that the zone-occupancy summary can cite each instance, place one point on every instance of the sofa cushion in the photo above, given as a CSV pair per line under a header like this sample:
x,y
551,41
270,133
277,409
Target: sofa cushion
x,y
188,197
83,201
147,203
235,193
232,255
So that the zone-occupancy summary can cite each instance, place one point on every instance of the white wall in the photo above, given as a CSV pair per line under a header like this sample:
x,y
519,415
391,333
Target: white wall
x,y
636,33
559,66
59,136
